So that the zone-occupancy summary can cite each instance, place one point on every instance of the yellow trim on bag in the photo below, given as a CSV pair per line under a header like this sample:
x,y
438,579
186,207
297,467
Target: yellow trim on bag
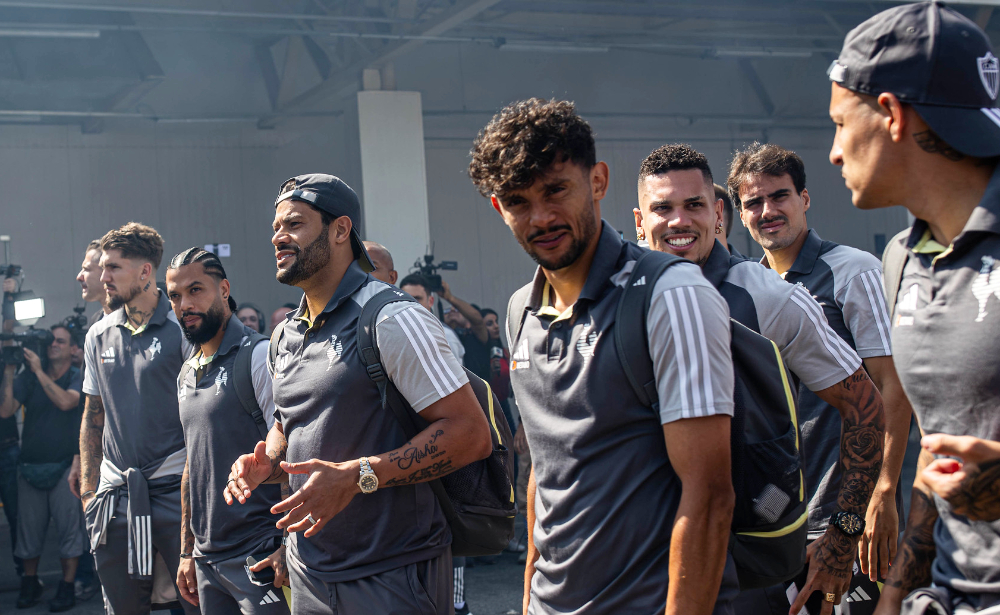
x,y
791,409
788,529
493,419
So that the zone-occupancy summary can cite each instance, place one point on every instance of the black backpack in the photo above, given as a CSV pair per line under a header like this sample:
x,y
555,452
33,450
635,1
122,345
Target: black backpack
x,y
768,535
478,499
243,380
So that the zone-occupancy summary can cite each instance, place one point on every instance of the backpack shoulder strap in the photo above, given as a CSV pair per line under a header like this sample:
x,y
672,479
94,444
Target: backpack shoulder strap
x,y
370,357
243,381
186,368
630,324
517,307
893,261
272,350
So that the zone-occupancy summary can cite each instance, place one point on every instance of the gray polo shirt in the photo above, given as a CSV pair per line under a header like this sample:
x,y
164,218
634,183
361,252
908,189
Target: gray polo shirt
x,y
217,430
946,332
847,284
135,374
606,491
331,410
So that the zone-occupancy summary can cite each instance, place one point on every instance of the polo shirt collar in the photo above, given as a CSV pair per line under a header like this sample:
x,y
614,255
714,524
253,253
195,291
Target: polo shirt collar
x,y
235,331
717,265
158,318
806,259
985,218
354,278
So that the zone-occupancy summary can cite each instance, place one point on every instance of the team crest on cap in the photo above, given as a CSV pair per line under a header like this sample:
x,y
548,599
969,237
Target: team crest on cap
x,y
989,73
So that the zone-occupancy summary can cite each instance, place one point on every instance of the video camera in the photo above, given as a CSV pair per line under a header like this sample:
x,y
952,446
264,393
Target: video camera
x,y
429,270
35,340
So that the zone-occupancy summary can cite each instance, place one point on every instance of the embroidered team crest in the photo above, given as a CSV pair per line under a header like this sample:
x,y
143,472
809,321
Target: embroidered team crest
x,y
985,284
989,73
221,380
585,345
334,351
154,347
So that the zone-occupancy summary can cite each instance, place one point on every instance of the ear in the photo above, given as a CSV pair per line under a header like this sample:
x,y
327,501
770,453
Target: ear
x,y
393,275
224,287
496,203
894,118
639,232
342,230
805,199
599,180
147,270
719,206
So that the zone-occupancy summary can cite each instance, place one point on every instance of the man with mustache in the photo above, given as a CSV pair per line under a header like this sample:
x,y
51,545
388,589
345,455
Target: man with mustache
x,y
367,534
131,441
629,505
679,213
215,538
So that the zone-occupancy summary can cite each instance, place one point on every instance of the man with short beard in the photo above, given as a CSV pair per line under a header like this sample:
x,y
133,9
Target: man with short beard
x,y
629,504
131,441
367,532
92,290
216,539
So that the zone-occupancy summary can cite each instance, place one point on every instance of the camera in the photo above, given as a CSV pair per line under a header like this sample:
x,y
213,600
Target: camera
x,y
35,340
429,270
77,323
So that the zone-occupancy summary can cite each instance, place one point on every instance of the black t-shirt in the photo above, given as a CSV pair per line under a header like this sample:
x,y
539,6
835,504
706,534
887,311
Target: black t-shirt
x,y
50,435
477,354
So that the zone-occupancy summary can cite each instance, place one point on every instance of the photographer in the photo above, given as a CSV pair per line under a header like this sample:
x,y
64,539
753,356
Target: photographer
x,y
467,322
51,398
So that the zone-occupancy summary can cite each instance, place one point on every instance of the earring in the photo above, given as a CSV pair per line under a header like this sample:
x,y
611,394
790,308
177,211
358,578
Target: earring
x,y
718,231
639,235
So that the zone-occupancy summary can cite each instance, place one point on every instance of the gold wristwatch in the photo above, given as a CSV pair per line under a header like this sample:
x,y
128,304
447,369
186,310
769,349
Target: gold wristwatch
x,y
368,481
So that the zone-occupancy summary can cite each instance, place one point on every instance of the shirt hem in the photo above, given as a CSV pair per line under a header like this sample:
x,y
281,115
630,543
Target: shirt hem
x,y
368,570
674,415
873,352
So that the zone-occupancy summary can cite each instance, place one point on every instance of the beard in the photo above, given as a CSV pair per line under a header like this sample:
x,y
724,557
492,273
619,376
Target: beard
x,y
308,260
211,322
587,223
119,299
774,242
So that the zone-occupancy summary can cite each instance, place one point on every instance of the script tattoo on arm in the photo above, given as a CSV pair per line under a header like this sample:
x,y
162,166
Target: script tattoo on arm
x,y
412,454
912,568
861,447
187,533
91,443
435,470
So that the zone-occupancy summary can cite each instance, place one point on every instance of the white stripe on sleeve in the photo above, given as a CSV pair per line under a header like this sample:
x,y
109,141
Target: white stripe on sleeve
x,y
873,286
834,345
682,363
422,340
706,370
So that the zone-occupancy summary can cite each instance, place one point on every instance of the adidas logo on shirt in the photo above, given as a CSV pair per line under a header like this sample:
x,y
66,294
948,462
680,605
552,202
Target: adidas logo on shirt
x,y
640,282
859,595
108,356
269,598
520,359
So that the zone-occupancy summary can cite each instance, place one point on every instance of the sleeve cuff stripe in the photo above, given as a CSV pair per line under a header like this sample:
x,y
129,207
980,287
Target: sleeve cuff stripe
x,y
834,345
428,353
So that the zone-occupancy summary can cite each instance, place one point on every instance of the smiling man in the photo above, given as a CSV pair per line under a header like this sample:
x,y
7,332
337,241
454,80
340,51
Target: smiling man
x,y
629,505
679,213
368,534
131,441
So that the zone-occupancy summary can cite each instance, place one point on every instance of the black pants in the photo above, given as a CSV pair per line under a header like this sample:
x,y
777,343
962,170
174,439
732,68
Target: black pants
x,y
9,454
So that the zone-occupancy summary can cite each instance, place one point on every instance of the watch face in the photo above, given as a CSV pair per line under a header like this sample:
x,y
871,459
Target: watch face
x,y
850,524
368,483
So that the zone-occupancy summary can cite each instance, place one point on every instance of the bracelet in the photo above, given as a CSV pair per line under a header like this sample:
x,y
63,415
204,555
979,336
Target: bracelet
x,y
186,555
86,493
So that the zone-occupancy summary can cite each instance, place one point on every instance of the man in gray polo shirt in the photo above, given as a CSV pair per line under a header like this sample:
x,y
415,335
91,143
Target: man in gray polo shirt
x,y
215,538
629,506
368,535
131,441
679,214
918,126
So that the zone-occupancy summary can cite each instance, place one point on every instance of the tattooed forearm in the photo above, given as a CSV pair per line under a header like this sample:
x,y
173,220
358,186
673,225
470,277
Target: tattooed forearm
x,y
91,443
277,448
435,470
978,495
912,568
187,533
412,454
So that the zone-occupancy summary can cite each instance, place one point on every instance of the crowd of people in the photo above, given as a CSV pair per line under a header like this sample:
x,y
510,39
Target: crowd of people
x,y
696,432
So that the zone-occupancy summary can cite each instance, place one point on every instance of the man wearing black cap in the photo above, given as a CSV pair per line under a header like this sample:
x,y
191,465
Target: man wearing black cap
x,y
914,100
368,536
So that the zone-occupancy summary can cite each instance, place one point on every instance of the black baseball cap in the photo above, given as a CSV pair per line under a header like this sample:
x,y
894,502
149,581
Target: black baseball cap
x,y
332,195
935,59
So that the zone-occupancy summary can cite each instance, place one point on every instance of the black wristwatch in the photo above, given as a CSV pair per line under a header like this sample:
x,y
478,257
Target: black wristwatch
x,y
849,523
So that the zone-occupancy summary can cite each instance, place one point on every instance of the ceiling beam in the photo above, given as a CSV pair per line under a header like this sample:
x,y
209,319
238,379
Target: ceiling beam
x,y
347,81
748,70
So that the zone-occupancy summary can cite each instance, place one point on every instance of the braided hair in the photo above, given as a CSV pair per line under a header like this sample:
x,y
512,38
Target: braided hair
x,y
209,262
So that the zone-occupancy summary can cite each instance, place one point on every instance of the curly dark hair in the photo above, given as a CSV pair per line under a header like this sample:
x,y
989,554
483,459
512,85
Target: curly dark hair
x,y
522,141
137,241
764,159
674,157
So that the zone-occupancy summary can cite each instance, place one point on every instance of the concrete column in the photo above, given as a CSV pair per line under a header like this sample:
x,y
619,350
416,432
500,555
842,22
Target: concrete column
x,y
394,175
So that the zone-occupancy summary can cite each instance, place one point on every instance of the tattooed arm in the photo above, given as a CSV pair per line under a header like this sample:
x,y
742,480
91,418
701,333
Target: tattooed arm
x,y
91,447
972,485
831,557
912,568
457,435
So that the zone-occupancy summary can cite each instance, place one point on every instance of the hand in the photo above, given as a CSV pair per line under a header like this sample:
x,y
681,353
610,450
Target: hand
x,y
187,581
328,490
74,477
830,559
877,548
9,285
275,560
34,363
247,473
520,442
445,291
972,485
